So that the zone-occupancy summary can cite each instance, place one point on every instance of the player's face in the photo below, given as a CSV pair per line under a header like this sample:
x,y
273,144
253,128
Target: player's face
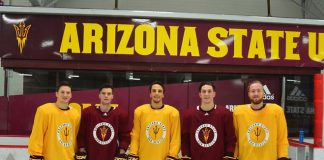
x,y
156,93
256,93
106,96
64,94
207,94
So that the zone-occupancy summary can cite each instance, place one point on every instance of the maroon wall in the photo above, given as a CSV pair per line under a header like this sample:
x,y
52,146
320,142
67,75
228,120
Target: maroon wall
x,y
3,115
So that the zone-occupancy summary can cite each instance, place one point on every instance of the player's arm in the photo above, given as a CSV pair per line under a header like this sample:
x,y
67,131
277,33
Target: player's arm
x,y
36,140
123,135
175,141
282,135
81,153
135,135
185,136
236,128
124,131
230,137
83,129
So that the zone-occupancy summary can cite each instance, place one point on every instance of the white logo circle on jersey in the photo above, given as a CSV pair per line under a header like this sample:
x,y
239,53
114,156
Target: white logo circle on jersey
x,y
205,129
64,134
103,129
155,132
257,134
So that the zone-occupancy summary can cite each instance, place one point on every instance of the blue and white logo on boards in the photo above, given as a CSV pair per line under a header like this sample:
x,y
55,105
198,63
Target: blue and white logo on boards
x,y
267,94
297,95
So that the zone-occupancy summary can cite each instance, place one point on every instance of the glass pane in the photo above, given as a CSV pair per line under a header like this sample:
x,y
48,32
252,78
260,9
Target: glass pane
x,y
299,104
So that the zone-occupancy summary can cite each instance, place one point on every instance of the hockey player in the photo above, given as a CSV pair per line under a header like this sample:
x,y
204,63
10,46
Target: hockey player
x,y
207,130
156,130
55,128
260,128
104,131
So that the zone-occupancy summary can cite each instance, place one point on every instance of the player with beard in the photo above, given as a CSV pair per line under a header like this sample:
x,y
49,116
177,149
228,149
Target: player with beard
x,y
156,130
207,130
260,128
104,131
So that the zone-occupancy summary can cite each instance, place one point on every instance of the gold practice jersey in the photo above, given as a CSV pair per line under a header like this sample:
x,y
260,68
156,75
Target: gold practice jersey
x,y
156,133
54,133
261,134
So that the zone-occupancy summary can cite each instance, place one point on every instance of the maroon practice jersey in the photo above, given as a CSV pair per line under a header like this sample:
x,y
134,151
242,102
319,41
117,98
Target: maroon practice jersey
x,y
207,135
100,131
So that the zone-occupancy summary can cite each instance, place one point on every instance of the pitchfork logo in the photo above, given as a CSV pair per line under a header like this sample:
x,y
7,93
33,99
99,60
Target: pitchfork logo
x,y
21,34
209,134
257,135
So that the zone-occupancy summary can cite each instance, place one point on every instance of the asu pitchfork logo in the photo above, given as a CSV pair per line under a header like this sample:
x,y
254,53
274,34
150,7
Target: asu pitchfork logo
x,y
21,34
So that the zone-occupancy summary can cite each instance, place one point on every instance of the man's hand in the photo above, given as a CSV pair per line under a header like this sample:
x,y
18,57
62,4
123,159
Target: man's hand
x,y
229,158
120,157
80,156
36,157
185,157
170,158
132,157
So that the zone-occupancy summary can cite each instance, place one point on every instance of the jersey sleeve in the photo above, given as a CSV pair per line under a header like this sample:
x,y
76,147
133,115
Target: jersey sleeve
x,y
235,122
124,137
282,135
175,134
36,141
230,137
82,138
134,145
185,135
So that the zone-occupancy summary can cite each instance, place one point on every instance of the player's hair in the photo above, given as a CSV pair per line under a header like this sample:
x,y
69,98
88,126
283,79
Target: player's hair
x,y
105,85
208,84
63,83
158,83
253,82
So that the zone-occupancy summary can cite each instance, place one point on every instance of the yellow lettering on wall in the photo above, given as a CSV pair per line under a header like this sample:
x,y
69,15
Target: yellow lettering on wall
x,y
256,45
312,48
140,32
189,42
92,34
275,35
222,46
169,41
111,40
238,41
291,45
70,39
127,32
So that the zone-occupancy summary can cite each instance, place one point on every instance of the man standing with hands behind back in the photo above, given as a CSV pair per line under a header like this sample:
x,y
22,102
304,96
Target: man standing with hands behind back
x,y
55,128
156,130
104,131
207,130
260,128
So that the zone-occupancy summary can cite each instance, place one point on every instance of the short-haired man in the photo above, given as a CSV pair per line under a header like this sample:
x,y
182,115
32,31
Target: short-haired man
x,y
156,130
207,130
104,131
55,128
261,128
